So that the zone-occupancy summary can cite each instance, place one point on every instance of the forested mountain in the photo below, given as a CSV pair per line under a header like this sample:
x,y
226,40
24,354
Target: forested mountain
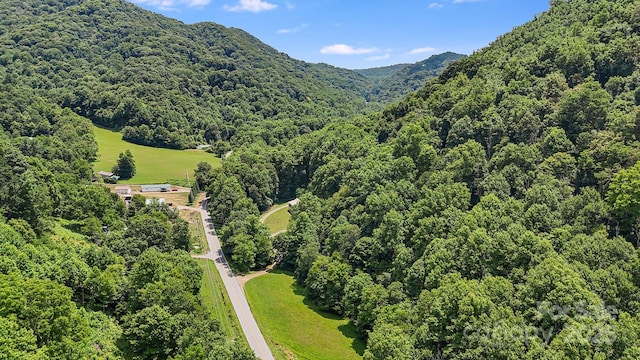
x,y
394,82
165,83
381,73
82,276
494,214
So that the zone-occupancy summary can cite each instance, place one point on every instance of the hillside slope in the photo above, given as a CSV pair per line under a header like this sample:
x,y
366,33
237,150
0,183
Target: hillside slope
x,y
394,82
166,83
381,73
494,214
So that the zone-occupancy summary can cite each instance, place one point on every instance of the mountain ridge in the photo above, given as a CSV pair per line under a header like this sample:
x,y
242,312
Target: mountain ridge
x,y
393,82
169,84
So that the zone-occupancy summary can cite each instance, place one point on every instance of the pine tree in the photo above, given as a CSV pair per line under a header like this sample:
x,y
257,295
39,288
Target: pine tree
x,y
126,166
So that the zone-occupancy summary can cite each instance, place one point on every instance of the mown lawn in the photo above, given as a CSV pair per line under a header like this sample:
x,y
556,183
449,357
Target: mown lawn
x,y
293,327
279,220
215,298
153,165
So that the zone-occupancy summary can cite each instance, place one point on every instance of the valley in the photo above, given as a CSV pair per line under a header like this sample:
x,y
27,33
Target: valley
x,y
460,207
154,166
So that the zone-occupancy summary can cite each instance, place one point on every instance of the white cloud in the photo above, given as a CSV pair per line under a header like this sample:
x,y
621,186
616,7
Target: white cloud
x,y
342,49
378,58
421,50
292,30
172,4
435,5
254,6
291,6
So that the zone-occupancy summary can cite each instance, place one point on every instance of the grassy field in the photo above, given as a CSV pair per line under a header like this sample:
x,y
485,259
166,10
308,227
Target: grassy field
x,y
279,220
153,165
175,198
293,327
215,298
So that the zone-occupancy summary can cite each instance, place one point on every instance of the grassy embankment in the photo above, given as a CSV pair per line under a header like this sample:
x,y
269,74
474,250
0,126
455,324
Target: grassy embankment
x,y
215,298
153,165
197,230
279,220
293,327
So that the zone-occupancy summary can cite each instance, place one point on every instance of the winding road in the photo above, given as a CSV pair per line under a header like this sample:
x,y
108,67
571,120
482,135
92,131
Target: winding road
x,y
236,294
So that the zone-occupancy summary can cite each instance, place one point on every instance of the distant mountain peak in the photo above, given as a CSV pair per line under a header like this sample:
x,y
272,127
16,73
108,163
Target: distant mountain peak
x,y
394,81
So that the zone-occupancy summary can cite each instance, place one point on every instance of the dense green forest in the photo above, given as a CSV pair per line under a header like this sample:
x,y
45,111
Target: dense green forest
x,y
380,73
167,84
82,275
394,82
493,214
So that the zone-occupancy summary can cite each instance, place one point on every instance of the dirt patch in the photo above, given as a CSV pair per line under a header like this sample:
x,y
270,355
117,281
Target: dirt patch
x,y
244,278
288,353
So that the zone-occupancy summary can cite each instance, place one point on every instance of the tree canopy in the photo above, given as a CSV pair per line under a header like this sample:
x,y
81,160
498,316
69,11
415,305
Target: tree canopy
x,y
167,84
125,167
491,214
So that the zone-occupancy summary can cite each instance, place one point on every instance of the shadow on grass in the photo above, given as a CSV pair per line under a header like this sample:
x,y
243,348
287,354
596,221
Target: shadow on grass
x,y
349,331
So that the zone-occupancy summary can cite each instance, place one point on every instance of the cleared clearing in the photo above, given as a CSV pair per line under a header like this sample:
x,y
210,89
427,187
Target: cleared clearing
x,y
199,241
153,165
293,327
279,220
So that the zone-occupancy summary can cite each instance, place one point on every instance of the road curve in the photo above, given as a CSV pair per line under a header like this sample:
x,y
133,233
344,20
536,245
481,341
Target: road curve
x,y
271,212
236,294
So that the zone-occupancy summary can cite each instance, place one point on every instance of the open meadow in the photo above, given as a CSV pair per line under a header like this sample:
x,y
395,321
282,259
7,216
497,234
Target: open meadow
x,y
293,327
278,220
153,165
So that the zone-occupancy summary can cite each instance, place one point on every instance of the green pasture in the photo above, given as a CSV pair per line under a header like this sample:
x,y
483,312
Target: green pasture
x,y
279,220
153,165
293,327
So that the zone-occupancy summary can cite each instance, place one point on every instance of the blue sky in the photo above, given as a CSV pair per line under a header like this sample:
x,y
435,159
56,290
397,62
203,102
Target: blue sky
x,y
359,34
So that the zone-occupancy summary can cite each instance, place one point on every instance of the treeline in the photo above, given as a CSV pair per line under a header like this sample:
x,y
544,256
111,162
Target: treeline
x,y
494,214
82,275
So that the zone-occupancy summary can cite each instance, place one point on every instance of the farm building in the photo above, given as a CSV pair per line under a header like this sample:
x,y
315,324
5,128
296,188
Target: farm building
x,y
106,176
155,188
122,190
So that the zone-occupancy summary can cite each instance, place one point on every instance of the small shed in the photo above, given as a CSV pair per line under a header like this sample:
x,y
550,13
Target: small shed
x,y
155,188
105,176
294,202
